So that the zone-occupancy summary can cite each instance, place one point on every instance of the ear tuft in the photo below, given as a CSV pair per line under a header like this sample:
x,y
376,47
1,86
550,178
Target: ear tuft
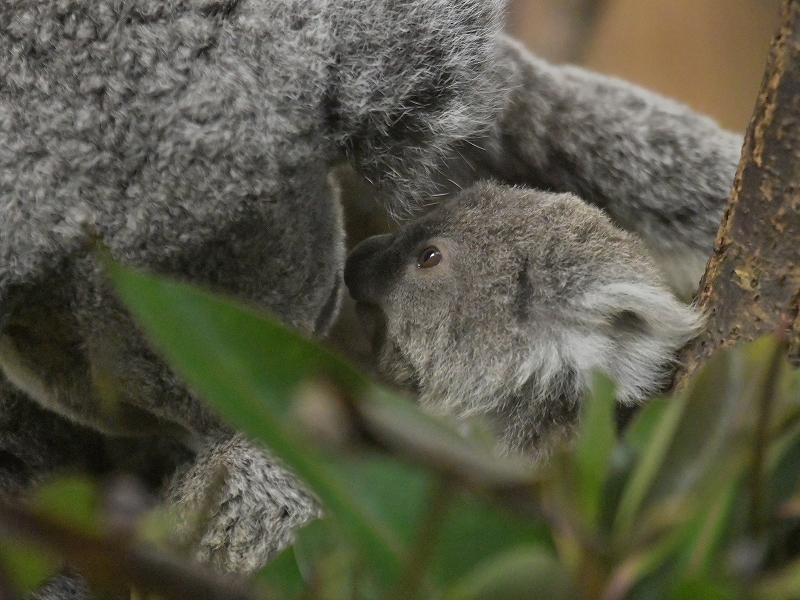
x,y
639,328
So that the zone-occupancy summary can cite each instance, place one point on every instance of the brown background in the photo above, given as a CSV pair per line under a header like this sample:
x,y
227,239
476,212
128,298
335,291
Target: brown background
x,y
707,53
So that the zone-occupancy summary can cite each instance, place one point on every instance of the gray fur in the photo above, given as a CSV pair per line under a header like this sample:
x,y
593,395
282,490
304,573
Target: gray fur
x,y
657,168
65,586
194,138
255,503
534,292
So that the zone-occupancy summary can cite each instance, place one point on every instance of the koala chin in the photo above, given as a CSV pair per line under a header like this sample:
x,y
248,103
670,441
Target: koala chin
x,y
502,302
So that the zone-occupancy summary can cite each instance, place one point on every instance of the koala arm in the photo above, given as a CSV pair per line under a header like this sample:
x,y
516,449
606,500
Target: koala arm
x,y
654,166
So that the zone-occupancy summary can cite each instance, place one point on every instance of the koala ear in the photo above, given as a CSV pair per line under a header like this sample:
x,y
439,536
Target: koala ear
x,y
635,330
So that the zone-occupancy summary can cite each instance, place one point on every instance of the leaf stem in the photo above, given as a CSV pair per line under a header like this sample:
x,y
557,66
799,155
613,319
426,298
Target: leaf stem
x,y
758,520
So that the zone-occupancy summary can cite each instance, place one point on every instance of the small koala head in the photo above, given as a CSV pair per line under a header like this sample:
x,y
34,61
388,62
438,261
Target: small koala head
x,y
503,301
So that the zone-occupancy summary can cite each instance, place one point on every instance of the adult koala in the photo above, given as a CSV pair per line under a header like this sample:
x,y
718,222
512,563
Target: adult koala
x,y
502,302
194,138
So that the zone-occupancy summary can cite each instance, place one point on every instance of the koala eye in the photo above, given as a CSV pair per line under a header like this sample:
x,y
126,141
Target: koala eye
x,y
429,257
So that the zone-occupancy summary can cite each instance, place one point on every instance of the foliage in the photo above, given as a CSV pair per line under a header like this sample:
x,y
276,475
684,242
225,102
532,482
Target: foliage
x,y
699,498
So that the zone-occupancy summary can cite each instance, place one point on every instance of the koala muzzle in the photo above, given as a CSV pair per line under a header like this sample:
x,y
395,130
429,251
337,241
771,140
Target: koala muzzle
x,y
364,280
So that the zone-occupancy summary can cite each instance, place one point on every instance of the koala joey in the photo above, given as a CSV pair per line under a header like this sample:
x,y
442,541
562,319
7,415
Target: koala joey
x,y
503,301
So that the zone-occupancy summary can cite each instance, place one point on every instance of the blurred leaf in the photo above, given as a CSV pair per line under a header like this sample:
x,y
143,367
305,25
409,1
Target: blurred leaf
x,y
26,566
653,451
701,438
475,529
620,466
404,428
710,410
784,473
700,589
395,491
641,430
780,586
593,446
635,568
71,501
246,354
156,526
249,367
330,567
524,573
281,578
706,531
312,542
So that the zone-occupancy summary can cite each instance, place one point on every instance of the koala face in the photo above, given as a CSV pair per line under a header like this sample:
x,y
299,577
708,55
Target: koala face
x,y
503,301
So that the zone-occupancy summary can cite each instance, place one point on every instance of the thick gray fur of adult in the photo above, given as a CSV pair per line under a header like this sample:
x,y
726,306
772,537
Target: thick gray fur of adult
x,y
532,292
194,138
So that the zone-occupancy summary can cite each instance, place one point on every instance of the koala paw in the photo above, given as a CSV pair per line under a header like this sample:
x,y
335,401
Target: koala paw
x,y
236,506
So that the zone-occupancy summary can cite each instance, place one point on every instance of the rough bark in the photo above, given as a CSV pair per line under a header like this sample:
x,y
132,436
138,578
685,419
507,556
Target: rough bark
x,y
752,282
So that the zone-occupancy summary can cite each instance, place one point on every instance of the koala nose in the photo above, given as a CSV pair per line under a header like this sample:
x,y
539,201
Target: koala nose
x,y
362,277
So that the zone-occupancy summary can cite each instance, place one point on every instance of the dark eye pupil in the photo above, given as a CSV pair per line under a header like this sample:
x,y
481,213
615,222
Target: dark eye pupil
x,y
430,257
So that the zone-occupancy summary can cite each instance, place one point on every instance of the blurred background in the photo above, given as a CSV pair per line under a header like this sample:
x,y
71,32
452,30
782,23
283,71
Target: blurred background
x,y
709,54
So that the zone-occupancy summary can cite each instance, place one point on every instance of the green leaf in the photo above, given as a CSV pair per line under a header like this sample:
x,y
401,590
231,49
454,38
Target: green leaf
x,y
701,439
330,567
706,533
645,567
312,542
475,529
250,367
701,589
25,565
620,466
71,501
396,492
228,349
652,455
527,573
593,447
784,472
281,578
642,429
408,431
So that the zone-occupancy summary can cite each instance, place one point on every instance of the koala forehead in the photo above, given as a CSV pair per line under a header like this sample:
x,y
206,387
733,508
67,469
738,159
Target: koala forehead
x,y
497,241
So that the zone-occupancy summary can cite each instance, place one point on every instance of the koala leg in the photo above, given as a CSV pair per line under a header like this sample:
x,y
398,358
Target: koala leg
x,y
236,506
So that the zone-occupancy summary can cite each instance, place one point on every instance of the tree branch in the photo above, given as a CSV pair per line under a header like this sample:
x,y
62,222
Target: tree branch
x,y
752,282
